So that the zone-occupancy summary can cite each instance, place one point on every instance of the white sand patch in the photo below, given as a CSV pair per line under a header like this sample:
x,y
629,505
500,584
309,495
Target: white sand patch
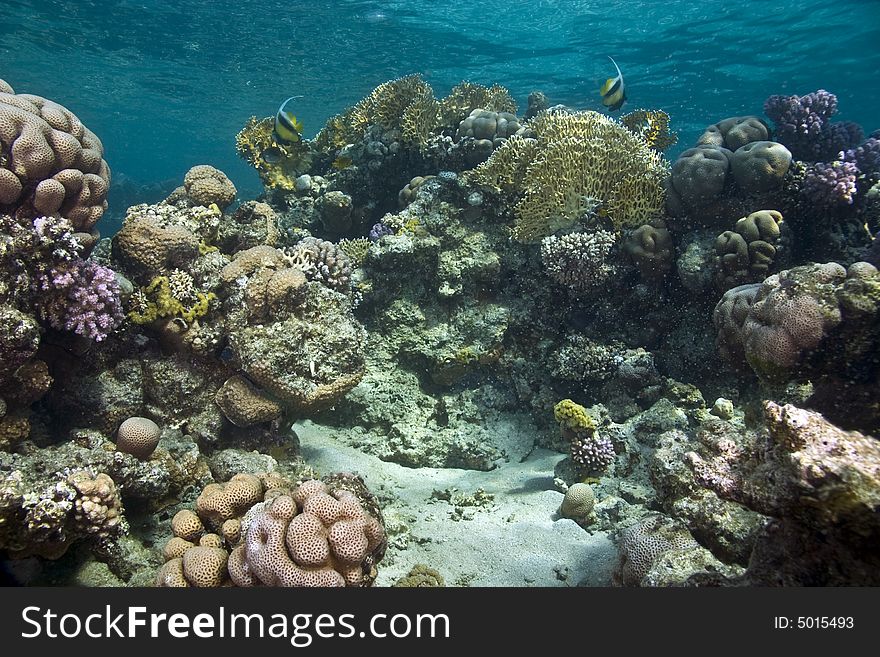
x,y
516,539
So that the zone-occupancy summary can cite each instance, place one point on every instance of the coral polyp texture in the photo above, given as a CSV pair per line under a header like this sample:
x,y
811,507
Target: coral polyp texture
x,y
138,436
206,185
50,162
579,260
644,542
588,449
746,253
272,533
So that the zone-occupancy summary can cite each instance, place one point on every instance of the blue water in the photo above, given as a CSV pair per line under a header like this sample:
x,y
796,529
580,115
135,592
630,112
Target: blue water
x,y
167,85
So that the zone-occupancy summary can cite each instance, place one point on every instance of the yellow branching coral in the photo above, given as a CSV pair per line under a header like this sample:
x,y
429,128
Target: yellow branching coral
x,y
290,160
506,168
408,104
386,106
420,119
586,160
572,416
174,295
468,96
355,249
652,126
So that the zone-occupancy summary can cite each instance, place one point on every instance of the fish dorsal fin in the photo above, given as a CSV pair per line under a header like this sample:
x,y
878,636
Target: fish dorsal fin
x,y
619,74
281,109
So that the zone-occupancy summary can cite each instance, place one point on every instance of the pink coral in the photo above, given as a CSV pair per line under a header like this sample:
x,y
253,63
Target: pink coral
x,y
80,296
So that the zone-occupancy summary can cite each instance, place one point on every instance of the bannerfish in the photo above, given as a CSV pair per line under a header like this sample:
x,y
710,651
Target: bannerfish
x,y
613,92
287,129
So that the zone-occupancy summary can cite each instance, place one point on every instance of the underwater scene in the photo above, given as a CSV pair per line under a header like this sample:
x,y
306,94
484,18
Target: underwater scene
x,y
380,293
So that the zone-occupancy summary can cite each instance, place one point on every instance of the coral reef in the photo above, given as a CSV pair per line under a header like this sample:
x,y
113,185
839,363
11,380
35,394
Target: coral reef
x,y
206,185
746,253
579,260
421,284
138,436
589,451
581,161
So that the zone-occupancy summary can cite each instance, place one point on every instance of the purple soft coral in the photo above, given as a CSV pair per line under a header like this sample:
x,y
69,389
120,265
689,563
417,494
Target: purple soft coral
x,y
803,125
831,184
379,231
80,296
866,157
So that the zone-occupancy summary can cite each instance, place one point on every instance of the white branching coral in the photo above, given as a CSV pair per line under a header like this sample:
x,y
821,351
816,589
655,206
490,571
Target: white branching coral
x,y
579,260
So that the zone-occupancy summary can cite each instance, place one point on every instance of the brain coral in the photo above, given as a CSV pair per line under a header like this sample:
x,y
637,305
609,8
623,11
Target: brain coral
x,y
206,185
138,436
578,502
50,163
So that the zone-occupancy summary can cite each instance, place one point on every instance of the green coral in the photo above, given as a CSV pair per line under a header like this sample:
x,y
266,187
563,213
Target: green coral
x,y
574,417
162,298
356,249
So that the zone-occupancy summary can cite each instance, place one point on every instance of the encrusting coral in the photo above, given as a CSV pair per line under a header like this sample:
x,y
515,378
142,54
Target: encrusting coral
x,y
820,486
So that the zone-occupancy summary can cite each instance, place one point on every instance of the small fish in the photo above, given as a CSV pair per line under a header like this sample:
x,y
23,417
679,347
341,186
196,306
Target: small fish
x,y
271,155
287,129
341,162
613,92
